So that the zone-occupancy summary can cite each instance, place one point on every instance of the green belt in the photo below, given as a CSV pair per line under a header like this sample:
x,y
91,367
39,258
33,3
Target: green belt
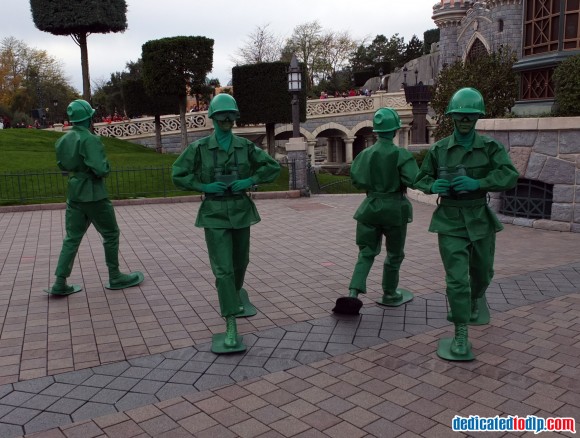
x,y
82,175
224,197
446,202
379,195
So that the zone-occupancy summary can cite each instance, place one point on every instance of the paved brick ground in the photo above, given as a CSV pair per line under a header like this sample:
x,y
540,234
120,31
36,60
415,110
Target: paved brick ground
x,y
154,337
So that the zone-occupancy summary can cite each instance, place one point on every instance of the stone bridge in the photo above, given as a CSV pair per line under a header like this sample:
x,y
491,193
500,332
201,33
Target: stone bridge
x,y
336,129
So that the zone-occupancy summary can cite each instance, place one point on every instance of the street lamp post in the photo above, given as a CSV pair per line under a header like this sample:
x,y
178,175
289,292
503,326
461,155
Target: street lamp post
x,y
419,96
295,86
296,146
381,73
55,115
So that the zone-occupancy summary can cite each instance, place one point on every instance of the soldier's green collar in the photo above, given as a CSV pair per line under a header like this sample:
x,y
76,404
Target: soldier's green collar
x,y
213,142
477,142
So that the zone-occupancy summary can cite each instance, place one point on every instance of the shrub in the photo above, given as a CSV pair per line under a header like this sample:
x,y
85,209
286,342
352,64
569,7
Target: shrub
x,y
567,82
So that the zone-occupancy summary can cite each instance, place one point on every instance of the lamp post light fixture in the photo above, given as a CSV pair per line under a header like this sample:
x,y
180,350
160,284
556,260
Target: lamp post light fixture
x,y
55,105
295,87
405,70
381,73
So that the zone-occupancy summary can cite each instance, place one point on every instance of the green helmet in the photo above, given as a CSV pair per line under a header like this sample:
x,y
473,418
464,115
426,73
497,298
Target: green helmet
x,y
467,101
386,120
79,110
223,103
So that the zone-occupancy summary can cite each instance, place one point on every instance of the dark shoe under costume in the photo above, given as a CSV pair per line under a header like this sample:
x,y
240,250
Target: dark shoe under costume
x,y
230,341
123,281
61,288
396,298
350,305
456,348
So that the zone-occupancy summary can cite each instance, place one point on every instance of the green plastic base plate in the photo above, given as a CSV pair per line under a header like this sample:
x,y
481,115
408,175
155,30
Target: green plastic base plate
x,y
76,288
218,346
249,308
405,298
482,319
444,351
138,280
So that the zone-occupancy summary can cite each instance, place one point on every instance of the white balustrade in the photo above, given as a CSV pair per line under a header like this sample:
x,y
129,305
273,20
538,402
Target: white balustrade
x,y
146,125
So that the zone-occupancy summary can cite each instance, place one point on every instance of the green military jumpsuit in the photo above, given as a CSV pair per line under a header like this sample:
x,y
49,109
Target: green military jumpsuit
x,y
82,154
226,217
383,171
466,226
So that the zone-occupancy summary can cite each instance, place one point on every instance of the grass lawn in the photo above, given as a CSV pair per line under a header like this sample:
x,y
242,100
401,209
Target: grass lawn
x,y
29,174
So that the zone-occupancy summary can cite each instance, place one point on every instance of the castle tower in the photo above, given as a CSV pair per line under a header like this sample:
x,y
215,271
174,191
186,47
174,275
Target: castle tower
x,y
447,16
506,17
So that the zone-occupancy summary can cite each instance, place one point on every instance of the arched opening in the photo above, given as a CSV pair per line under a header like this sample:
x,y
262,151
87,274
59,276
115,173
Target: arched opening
x,y
363,139
476,50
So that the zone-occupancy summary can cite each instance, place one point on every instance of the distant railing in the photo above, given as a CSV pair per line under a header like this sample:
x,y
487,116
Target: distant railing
x,y
146,125
51,185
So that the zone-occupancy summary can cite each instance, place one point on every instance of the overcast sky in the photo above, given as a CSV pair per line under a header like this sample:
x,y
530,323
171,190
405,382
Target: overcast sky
x,y
227,22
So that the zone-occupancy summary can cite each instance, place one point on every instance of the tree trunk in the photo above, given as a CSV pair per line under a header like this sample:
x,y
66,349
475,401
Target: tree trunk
x,y
270,140
158,145
183,124
82,39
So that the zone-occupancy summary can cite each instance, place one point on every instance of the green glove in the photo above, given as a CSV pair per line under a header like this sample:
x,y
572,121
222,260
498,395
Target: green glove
x,y
214,187
464,183
241,184
440,186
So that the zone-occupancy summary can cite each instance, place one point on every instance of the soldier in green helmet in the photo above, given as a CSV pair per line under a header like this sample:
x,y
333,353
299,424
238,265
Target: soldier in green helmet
x,y
224,166
461,169
384,171
82,154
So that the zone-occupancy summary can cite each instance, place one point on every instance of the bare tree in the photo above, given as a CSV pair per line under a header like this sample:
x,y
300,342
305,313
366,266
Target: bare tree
x,y
307,43
261,46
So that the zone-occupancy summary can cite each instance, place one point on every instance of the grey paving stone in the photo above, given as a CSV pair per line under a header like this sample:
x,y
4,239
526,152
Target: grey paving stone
x,y
34,385
181,354
185,378
367,341
172,364
148,386
133,400
46,420
274,333
284,353
275,364
305,357
5,390
65,405
230,359
243,373
20,416
16,398
10,430
83,392
391,335
253,361
195,366
334,349
260,351
74,377
122,383
160,375
112,369
295,336
109,396
220,369
147,361
267,342
313,346
322,329
342,339
204,356
302,327
92,410
209,381
318,337
136,372
4,409
290,344
39,402
99,380
172,390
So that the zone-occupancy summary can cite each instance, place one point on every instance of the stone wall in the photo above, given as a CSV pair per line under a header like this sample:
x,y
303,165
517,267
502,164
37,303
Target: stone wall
x,y
547,150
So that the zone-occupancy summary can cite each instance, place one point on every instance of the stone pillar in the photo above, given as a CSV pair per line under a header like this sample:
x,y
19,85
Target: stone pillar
x,y
404,137
296,149
348,141
330,152
369,141
312,151
430,136
58,127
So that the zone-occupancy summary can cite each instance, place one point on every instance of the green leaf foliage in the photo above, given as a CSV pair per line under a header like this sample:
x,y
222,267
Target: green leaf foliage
x,y
491,74
65,17
138,102
567,93
170,65
261,92
429,37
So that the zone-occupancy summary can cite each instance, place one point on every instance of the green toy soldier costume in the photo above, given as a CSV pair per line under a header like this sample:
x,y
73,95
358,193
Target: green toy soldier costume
x,y
223,166
82,154
384,171
462,168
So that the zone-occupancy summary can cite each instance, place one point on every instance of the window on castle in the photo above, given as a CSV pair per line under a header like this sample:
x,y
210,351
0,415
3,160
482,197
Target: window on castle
x,y
476,50
537,84
542,31
500,25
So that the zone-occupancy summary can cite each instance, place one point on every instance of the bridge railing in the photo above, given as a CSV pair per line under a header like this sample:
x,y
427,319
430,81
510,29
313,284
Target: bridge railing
x,y
315,108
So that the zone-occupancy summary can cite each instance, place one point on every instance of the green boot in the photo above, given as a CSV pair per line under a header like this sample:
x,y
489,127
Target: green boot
x,y
231,339
121,281
60,287
460,345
